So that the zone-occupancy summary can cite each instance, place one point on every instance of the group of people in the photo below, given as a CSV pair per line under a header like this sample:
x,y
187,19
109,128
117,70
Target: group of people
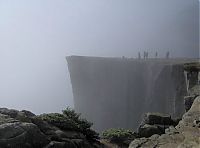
x,y
146,54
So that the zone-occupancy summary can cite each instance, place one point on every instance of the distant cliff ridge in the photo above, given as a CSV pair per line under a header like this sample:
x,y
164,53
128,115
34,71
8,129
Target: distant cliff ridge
x,y
116,92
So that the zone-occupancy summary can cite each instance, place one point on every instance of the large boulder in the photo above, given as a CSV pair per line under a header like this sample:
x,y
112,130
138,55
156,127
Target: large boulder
x,y
149,130
23,135
157,118
155,123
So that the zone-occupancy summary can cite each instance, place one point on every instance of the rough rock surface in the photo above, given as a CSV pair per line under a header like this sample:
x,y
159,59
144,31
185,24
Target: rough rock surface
x,y
155,123
157,118
185,135
23,129
149,130
188,100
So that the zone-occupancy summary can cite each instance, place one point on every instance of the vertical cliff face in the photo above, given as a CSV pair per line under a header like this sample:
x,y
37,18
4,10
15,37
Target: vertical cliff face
x,y
113,92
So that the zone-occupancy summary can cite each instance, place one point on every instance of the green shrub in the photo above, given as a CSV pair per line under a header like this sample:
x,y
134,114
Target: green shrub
x,y
70,120
82,124
60,121
118,135
72,115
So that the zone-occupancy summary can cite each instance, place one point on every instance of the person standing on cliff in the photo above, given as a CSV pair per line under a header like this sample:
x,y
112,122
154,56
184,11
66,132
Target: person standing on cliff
x,y
139,56
156,55
167,55
145,55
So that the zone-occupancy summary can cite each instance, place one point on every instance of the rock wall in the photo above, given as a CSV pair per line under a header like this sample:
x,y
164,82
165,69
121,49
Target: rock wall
x,y
115,92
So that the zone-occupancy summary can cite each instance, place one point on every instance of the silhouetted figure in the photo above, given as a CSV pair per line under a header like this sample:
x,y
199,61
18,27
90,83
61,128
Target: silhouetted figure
x,y
156,55
147,54
139,55
167,55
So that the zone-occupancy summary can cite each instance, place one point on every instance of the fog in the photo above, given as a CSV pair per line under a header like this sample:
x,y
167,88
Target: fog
x,y
36,36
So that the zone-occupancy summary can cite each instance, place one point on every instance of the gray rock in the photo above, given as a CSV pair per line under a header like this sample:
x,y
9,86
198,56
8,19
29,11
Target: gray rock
x,y
28,113
75,143
197,122
194,91
149,130
10,112
188,100
69,134
171,130
45,127
56,144
21,135
23,116
154,123
157,118
54,133
6,119
138,142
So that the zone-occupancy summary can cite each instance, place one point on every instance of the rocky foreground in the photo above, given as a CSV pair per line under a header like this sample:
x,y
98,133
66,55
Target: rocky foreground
x,y
23,129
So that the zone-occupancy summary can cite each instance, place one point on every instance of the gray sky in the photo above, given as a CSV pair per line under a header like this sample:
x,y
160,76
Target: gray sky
x,y
36,35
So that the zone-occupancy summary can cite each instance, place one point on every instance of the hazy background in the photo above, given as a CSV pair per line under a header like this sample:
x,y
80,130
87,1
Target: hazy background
x,y
36,35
